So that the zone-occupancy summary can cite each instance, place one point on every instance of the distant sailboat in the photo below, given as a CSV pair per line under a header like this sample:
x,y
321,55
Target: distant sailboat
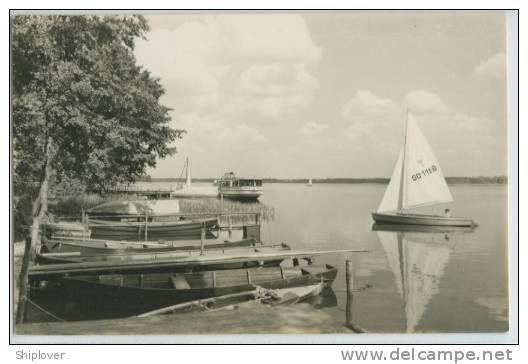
x,y
417,181
190,191
418,268
310,183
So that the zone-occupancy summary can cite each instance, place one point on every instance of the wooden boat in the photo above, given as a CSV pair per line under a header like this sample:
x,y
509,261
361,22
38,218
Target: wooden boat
x,y
137,293
310,184
237,300
230,186
190,191
87,247
417,181
122,230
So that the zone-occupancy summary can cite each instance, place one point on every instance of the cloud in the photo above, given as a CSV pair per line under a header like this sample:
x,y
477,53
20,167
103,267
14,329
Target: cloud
x,y
369,115
209,55
311,129
494,67
366,103
377,124
274,89
425,102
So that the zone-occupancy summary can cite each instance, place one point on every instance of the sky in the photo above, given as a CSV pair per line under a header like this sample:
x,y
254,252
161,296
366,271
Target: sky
x,y
317,95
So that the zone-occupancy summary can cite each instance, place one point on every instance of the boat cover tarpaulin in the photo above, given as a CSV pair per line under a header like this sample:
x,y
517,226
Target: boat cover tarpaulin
x,y
136,207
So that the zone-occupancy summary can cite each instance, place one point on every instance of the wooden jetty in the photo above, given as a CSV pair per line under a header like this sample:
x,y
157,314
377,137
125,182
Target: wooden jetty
x,y
222,260
295,319
149,193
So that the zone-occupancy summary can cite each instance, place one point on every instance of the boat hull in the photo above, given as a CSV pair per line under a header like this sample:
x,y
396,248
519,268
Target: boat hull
x,y
125,295
383,226
120,230
241,194
417,219
102,247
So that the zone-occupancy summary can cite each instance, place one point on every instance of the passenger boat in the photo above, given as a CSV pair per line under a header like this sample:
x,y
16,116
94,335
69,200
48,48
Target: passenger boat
x,y
138,293
230,186
417,181
87,247
188,190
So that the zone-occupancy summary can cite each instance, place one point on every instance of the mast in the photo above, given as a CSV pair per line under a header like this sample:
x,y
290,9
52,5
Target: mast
x,y
187,173
402,179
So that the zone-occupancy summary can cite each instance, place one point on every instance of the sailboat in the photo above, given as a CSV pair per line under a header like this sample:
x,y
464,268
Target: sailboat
x,y
187,190
310,183
418,268
417,181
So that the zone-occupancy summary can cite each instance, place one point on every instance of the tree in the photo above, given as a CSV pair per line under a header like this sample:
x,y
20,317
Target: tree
x,y
81,108
76,85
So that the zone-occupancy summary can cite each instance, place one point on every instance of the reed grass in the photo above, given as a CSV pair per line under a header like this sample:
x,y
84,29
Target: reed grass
x,y
215,206
72,207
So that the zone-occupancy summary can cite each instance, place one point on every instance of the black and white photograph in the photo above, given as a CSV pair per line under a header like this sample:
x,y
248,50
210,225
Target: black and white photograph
x,y
260,172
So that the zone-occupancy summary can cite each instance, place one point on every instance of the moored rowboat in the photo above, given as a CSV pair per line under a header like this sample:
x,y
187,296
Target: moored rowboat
x,y
100,246
137,293
122,230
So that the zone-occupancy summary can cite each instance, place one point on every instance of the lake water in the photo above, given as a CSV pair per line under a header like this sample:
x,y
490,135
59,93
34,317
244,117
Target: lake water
x,y
414,281
453,281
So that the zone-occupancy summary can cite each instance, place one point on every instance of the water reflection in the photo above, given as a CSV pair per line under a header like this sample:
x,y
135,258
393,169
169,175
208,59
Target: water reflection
x,y
417,262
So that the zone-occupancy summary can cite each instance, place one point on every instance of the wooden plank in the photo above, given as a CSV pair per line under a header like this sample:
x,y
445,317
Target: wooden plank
x,y
182,261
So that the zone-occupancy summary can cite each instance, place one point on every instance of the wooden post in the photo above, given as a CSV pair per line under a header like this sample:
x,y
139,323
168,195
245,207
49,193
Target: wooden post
x,y
202,239
83,225
350,289
146,224
230,226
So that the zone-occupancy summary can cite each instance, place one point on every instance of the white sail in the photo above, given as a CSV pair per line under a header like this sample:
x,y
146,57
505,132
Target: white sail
x,y
417,179
188,174
390,198
424,183
417,268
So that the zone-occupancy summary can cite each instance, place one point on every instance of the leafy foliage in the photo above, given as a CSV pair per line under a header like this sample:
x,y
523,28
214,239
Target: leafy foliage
x,y
75,79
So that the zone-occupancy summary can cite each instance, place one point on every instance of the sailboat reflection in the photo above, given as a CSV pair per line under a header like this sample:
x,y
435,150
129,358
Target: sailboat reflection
x,y
417,263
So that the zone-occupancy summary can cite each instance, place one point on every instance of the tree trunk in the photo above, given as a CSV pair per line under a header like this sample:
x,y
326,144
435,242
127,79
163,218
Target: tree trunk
x,y
40,207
